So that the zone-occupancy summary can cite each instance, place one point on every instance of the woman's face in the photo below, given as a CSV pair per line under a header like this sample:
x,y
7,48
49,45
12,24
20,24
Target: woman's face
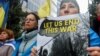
x,y
30,22
3,36
98,9
68,9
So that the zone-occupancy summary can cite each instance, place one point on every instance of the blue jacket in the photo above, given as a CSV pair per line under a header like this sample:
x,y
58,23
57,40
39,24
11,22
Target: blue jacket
x,y
30,38
27,53
94,39
27,39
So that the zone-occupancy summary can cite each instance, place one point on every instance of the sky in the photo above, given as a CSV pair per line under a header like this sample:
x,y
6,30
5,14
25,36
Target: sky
x,y
83,4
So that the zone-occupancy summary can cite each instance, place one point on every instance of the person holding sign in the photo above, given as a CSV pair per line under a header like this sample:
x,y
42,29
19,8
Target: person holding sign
x,y
69,43
75,45
7,42
65,45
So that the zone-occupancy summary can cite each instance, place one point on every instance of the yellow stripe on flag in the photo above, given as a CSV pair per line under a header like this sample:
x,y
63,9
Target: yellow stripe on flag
x,y
44,10
2,13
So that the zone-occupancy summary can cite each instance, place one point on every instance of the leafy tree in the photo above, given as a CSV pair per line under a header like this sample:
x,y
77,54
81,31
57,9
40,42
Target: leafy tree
x,y
15,16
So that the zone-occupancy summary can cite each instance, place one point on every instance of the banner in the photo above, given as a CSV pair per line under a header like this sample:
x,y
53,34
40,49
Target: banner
x,y
64,32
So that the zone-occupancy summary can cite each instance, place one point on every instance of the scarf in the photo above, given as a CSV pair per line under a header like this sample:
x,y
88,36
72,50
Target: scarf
x,y
27,36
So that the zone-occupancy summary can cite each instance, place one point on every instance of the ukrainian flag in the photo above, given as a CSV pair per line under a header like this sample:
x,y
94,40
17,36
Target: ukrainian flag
x,y
4,6
2,13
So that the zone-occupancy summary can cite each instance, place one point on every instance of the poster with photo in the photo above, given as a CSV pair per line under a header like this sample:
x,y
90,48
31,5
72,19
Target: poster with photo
x,y
67,29
65,34
63,27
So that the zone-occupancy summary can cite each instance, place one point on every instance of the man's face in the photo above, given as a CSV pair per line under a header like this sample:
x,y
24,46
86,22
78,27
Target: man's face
x,y
98,10
68,9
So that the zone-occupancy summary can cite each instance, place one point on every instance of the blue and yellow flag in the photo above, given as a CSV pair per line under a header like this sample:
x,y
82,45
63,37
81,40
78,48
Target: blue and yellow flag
x,y
2,13
4,6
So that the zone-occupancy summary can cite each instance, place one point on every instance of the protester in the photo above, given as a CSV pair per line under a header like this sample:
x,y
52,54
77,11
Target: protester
x,y
28,38
73,45
95,50
7,42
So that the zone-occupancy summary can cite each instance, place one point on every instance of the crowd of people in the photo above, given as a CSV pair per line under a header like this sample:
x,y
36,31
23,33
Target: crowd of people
x,y
26,43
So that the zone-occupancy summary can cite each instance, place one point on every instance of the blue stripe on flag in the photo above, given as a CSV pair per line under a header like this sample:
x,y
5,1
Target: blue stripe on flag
x,y
6,8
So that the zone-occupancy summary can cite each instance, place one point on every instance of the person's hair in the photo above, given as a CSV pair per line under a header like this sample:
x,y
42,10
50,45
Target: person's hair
x,y
0,30
94,9
36,16
9,32
97,4
73,1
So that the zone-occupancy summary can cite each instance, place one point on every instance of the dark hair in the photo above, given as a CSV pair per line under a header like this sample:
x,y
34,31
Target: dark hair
x,y
36,16
0,30
98,2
